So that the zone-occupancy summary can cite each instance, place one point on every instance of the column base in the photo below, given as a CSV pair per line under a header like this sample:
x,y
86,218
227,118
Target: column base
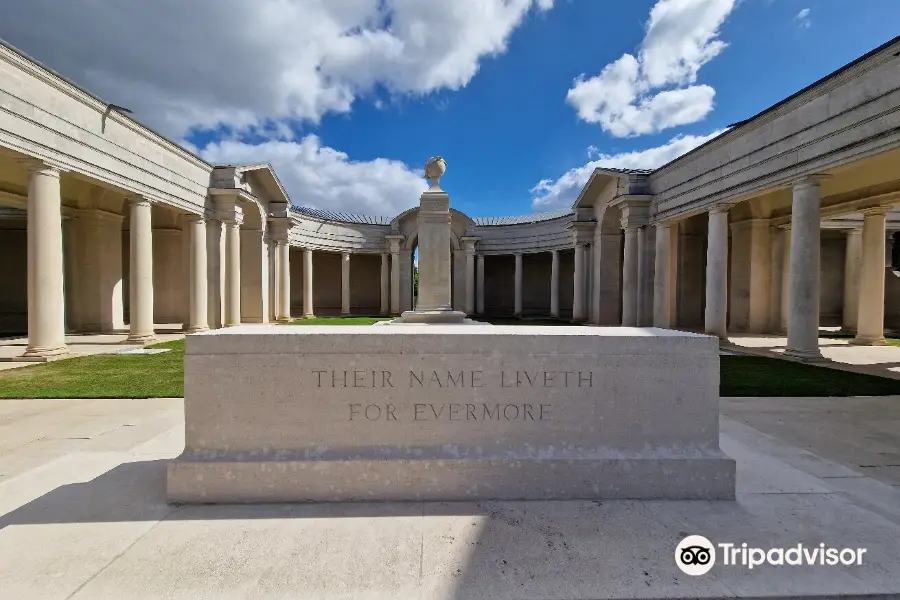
x,y
432,316
868,341
847,331
197,329
805,355
283,319
43,354
140,338
309,316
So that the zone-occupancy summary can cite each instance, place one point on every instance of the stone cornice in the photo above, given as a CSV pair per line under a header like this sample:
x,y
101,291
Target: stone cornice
x,y
27,64
864,64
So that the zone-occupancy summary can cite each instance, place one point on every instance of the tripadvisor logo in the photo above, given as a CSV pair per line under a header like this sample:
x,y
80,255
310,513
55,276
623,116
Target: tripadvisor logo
x,y
695,555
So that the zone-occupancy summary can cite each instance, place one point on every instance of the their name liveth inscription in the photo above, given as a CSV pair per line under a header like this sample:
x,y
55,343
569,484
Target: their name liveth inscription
x,y
451,379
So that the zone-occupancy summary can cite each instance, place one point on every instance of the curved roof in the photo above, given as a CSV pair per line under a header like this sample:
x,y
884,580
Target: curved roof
x,y
331,215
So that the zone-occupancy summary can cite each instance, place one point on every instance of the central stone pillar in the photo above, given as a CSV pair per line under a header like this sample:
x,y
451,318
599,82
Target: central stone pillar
x,y
434,303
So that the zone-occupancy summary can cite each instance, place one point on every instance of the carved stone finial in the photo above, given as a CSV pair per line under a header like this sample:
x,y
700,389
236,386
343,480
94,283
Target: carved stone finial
x,y
434,170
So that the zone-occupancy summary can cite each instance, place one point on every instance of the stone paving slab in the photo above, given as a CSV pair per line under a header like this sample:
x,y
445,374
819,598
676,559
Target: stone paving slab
x,y
87,519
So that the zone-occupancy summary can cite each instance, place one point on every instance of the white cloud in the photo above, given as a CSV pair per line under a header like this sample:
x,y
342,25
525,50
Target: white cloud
x,y
656,89
551,194
239,63
322,177
802,19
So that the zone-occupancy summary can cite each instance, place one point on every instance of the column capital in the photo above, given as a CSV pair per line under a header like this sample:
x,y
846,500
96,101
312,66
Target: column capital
x,y
189,218
813,180
875,211
719,209
136,200
469,243
583,230
394,241
41,166
629,226
854,231
345,256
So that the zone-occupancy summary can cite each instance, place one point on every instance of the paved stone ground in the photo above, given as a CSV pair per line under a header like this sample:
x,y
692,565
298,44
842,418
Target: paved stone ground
x,y
83,515
83,344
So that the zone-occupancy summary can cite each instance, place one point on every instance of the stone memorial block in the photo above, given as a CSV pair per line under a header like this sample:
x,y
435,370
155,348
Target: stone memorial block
x,y
449,412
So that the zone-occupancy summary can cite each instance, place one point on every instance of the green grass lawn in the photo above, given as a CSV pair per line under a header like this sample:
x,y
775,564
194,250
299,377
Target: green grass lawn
x,y
162,375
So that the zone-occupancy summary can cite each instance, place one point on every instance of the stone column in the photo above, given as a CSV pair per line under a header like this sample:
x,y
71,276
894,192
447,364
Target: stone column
x,y
578,286
345,283
776,281
479,301
554,283
663,282
232,273
46,301
717,273
630,277
803,295
518,286
198,311
470,279
283,280
141,273
308,309
385,283
870,319
785,278
852,262
394,245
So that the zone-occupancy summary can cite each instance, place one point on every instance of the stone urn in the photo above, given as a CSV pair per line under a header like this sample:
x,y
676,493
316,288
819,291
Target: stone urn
x,y
435,169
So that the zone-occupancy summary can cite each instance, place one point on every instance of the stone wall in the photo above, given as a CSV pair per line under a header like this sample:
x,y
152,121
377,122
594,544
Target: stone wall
x,y
536,283
499,284
326,283
13,278
365,284
831,287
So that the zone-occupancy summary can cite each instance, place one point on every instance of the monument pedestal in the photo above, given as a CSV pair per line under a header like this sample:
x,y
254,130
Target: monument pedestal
x,y
434,412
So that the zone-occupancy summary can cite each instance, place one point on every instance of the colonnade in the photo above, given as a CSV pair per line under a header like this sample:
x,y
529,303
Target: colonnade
x,y
781,274
211,250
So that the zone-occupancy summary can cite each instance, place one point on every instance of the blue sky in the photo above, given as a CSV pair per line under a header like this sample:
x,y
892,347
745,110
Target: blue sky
x,y
348,99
